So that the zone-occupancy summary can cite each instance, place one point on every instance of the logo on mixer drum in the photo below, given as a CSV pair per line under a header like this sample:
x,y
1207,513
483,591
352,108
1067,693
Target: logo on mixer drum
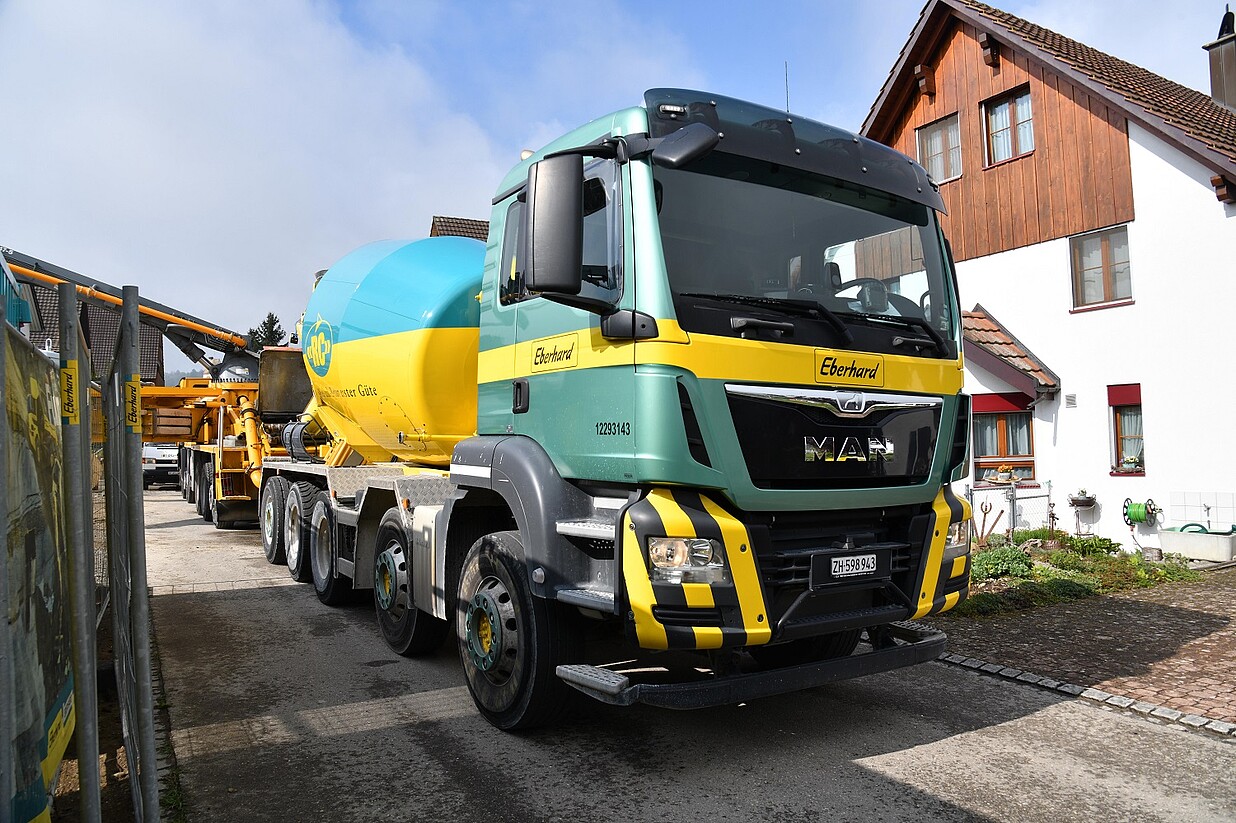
x,y
318,344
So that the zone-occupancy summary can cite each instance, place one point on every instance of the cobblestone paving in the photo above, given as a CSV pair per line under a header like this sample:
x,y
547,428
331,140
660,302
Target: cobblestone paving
x,y
1172,646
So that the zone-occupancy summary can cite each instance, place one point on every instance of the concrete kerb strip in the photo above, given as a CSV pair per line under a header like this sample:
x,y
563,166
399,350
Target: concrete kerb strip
x,y
1115,701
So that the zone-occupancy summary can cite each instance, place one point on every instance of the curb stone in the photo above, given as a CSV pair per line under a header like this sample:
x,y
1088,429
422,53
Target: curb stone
x,y
1193,722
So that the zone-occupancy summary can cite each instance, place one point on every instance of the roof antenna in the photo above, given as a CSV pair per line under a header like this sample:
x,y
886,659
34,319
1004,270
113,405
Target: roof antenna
x,y
787,86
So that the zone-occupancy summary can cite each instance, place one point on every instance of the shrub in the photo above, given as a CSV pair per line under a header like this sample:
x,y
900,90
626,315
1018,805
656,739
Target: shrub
x,y
1025,595
1092,545
1007,561
1022,535
1068,560
1047,574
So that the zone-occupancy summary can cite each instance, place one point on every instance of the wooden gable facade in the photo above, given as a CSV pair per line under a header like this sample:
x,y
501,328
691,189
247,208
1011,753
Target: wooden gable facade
x,y
1076,178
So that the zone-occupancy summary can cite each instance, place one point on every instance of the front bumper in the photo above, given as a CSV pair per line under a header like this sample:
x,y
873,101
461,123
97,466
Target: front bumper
x,y
912,644
774,597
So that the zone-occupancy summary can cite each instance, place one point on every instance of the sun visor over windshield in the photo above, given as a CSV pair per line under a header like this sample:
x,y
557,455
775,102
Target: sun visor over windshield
x,y
767,134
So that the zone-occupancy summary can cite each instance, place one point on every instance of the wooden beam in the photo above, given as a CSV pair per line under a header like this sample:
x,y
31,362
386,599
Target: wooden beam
x,y
1225,190
991,49
926,79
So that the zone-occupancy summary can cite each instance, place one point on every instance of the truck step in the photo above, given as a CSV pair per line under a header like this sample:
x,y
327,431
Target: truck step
x,y
591,679
593,529
599,601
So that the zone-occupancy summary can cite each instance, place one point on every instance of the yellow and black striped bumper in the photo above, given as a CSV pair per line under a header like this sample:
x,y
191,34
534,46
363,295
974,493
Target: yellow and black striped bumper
x,y
692,615
946,571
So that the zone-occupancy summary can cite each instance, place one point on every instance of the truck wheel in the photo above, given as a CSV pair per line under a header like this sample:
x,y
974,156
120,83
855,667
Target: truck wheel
x,y
273,500
332,589
510,642
188,480
409,631
296,530
807,650
199,494
208,487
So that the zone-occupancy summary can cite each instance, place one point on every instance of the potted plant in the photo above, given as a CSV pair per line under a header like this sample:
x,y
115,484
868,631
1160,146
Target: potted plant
x,y
1004,473
1081,499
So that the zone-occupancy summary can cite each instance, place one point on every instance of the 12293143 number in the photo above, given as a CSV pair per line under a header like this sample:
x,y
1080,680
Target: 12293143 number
x,y
614,429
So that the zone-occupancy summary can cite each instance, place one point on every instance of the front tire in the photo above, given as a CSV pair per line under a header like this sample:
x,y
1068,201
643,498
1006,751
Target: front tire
x,y
510,643
409,631
273,501
332,589
296,530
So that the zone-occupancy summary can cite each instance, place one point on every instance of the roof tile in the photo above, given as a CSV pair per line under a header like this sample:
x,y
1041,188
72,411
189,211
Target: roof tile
x,y
1193,112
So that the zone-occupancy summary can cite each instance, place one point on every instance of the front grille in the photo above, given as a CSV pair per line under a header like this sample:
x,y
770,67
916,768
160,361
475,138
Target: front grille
x,y
786,542
798,439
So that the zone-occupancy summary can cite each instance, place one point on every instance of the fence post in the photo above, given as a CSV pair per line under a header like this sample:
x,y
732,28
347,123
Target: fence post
x,y
7,683
80,515
135,519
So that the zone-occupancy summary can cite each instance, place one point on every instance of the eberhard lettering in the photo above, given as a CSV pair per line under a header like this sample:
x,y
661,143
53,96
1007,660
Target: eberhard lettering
x,y
825,450
833,367
553,356
555,353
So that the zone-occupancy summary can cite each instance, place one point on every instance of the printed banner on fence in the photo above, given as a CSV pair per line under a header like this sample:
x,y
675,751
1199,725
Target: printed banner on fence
x,y
36,563
69,414
133,403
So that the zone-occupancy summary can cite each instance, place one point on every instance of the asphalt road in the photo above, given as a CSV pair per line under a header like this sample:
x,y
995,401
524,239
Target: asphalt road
x,y
283,709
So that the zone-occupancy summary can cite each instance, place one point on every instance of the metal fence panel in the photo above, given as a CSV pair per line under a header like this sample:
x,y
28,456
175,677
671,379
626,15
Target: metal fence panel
x,y
75,425
126,548
1005,509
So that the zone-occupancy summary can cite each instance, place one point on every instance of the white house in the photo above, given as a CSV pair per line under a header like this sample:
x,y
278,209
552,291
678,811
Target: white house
x,y
1092,215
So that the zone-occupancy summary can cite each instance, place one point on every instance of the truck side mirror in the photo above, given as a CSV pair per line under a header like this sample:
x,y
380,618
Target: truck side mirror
x,y
555,225
678,148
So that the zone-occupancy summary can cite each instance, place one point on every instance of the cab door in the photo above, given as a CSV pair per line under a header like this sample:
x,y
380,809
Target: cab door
x,y
576,395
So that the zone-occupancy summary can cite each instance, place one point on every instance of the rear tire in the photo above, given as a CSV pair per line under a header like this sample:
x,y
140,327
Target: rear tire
x,y
510,643
409,631
207,491
273,501
188,480
807,650
332,589
199,486
296,530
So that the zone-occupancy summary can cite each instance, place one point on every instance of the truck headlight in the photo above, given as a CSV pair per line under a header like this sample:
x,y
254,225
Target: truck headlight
x,y
686,560
958,533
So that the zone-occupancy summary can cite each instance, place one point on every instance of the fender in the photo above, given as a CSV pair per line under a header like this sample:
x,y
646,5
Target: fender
x,y
519,470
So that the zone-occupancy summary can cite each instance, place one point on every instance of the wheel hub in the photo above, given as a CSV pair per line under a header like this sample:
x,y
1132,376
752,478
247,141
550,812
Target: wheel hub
x,y
489,624
390,580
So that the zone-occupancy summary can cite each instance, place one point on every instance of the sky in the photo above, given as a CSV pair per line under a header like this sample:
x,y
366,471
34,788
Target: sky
x,y
217,153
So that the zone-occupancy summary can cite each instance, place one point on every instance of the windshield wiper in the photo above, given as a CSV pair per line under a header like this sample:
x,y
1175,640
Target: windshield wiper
x,y
785,305
937,340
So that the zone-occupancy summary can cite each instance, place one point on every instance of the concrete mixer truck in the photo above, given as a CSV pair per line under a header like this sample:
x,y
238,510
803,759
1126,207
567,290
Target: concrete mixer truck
x,y
680,433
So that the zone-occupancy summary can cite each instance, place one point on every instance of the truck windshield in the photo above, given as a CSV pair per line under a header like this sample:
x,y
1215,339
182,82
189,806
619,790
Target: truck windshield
x,y
847,266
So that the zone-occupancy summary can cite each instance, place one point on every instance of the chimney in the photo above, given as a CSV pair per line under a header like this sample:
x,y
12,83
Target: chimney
x,y
1223,62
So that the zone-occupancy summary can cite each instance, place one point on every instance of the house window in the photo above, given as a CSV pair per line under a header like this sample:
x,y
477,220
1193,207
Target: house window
x,y
939,149
1003,439
1101,267
1010,128
1128,449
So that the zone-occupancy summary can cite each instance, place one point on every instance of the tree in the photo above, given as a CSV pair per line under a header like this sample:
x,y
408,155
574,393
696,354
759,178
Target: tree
x,y
268,333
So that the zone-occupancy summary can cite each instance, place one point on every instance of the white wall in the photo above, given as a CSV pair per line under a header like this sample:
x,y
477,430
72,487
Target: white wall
x,y
1178,340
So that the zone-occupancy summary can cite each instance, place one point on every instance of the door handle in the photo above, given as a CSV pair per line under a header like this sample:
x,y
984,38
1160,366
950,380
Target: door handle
x,y
519,395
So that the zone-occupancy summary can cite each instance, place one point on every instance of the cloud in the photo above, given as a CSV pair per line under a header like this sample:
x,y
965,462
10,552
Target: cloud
x,y
218,154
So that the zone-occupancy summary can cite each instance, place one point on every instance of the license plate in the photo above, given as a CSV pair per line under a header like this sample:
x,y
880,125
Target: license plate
x,y
853,565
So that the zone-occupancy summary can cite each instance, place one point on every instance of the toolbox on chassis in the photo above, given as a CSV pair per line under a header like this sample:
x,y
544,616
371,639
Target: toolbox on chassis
x,y
700,393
